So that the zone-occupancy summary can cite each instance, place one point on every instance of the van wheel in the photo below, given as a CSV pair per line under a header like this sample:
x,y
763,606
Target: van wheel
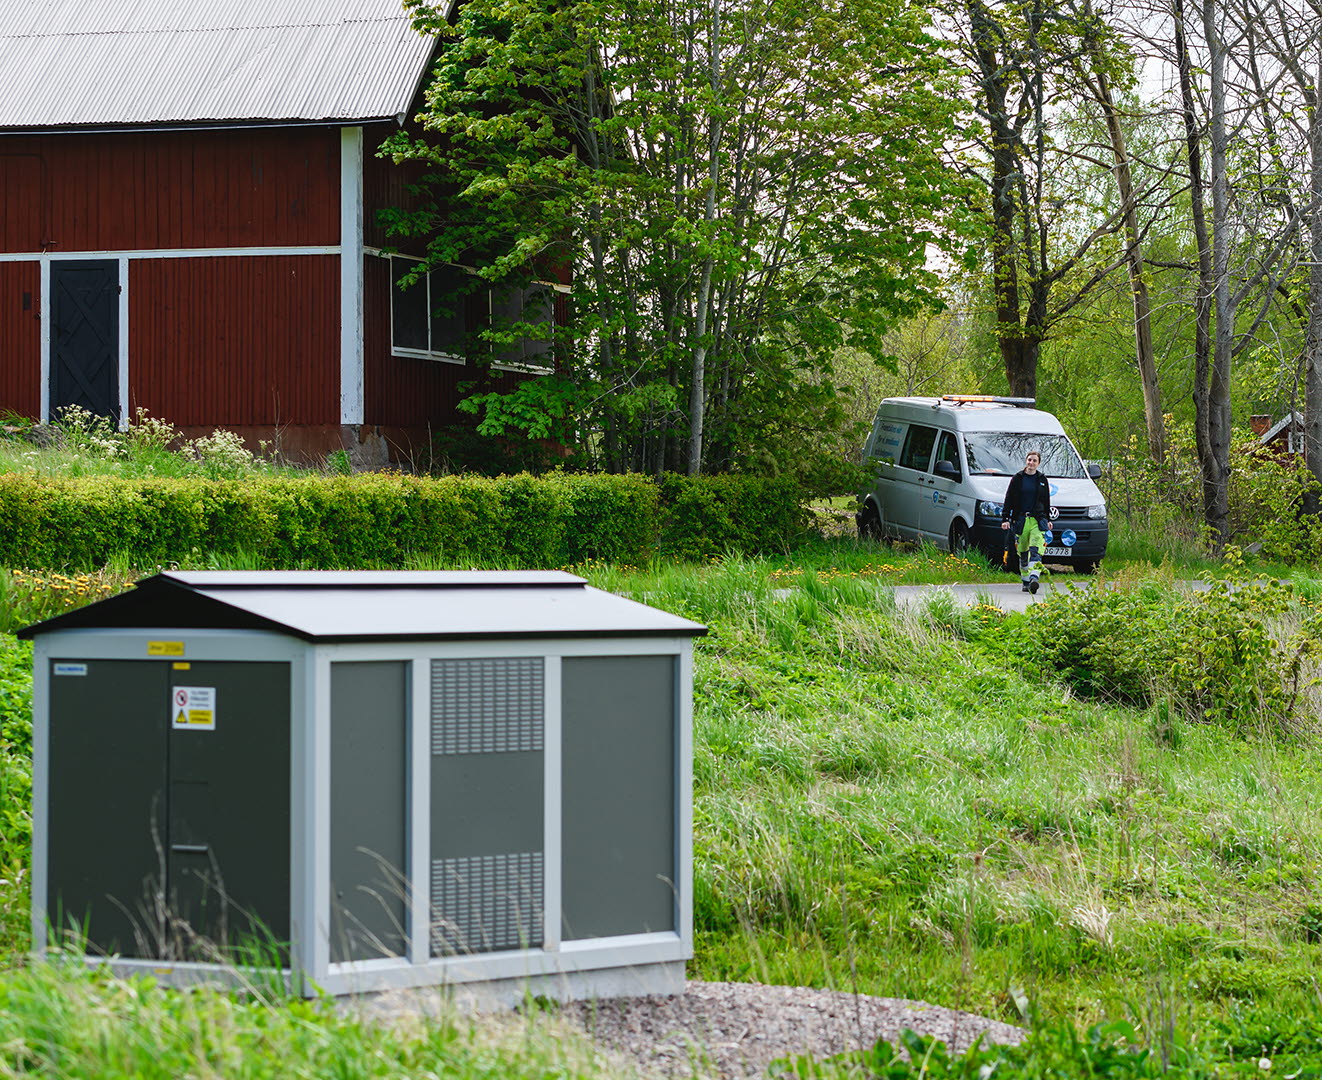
x,y
959,537
869,523
1085,566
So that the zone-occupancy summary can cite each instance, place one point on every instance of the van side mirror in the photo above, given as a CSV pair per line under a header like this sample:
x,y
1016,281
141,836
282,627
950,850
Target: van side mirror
x,y
1094,471
946,470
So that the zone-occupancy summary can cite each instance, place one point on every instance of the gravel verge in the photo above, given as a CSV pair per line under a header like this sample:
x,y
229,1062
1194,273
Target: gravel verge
x,y
735,1030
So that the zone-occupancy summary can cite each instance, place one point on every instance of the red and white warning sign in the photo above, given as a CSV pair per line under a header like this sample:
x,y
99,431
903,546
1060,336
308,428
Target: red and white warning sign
x,y
193,708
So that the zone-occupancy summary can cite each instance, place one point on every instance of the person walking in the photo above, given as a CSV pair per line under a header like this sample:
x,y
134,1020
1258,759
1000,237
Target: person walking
x,y
1027,511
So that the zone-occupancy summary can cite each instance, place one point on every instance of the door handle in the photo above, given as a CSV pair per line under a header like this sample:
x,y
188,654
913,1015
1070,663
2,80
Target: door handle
x,y
190,849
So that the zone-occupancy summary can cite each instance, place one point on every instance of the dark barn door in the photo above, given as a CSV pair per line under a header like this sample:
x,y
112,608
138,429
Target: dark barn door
x,y
84,363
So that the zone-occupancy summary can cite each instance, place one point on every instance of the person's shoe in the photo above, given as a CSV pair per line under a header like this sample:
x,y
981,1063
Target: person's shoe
x,y
1025,588
1032,586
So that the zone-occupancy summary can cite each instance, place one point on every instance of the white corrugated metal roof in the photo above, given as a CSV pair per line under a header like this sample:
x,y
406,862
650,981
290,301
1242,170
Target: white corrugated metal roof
x,y
68,63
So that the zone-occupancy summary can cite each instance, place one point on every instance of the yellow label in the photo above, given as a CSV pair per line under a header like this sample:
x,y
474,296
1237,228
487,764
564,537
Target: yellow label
x,y
165,648
202,717
181,665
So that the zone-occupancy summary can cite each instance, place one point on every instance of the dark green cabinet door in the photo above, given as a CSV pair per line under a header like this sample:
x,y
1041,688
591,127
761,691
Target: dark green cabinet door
x,y
107,803
229,809
169,842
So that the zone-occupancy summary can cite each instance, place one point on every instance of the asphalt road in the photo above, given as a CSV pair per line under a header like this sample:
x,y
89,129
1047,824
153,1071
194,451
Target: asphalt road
x,y
1008,595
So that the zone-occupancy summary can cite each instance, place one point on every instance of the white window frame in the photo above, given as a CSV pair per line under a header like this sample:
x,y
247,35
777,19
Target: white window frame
x,y
528,367
450,358
401,350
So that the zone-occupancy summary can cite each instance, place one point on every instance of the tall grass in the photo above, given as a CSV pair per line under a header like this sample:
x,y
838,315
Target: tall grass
x,y
882,805
63,1021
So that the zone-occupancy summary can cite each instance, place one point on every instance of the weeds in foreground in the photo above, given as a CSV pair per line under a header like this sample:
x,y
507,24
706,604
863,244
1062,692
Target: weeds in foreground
x,y
63,1020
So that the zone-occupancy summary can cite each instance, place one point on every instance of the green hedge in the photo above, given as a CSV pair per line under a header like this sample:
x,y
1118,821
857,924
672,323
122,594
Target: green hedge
x,y
385,520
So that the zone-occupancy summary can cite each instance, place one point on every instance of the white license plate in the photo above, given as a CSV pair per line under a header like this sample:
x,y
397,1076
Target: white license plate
x,y
1056,551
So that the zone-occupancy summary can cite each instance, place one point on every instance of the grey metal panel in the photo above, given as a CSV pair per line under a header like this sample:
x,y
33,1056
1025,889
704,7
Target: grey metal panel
x,y
487,903
369,788
487,806
487,706
339,607
619,767
228,839
107,802
158,61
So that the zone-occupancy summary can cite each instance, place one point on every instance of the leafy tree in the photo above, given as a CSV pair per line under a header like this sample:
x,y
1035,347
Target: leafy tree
x,y
738,187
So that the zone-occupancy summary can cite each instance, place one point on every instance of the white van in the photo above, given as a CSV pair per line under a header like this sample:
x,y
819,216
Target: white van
x,y
943,466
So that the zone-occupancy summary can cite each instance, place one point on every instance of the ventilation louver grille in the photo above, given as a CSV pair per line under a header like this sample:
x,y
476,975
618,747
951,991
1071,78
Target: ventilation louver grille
x,y
486,903
486,706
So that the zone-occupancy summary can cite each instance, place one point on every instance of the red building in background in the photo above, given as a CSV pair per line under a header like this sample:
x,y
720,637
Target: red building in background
x,y
188,199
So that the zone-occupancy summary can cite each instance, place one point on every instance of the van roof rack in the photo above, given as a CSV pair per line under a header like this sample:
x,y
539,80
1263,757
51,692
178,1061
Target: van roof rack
x,y
969,399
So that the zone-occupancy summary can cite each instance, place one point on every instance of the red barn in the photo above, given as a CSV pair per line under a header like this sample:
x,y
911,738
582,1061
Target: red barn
x,y
188,223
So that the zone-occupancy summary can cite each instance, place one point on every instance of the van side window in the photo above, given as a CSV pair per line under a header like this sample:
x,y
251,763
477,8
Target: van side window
x,y
948,450
917,452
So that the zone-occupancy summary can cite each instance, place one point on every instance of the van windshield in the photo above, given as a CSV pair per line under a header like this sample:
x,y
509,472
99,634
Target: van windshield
x,y
1003,453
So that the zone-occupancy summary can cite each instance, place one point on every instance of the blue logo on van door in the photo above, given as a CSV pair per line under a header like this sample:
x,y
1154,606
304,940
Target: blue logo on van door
x,y
1054,488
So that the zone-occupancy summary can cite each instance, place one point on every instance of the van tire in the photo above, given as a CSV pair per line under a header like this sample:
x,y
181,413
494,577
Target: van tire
x,y
959,537
869,523
1086,566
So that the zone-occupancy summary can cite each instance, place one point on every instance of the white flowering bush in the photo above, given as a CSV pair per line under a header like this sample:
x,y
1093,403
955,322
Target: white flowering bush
x,y
148,434
82,431
220,454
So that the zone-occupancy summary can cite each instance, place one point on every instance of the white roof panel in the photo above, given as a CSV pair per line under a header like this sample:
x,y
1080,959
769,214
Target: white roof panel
x,y
377,605
67,63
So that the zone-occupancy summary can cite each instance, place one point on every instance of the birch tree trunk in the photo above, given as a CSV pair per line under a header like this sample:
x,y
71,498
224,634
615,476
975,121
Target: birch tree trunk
x,y
1313,337
698,390
1202,348
1216,473
1147,364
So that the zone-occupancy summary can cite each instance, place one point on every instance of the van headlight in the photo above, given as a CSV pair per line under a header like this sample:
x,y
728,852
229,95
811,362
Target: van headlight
x,y
989,509
1098,511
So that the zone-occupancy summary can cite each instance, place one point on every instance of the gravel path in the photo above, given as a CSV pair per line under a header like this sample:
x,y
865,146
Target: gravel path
x,y
735,1030
713,1031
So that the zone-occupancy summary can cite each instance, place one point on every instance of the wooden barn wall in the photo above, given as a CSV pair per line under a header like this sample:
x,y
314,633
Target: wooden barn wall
x,y
235,341
125,191
406,391
385,186
20,338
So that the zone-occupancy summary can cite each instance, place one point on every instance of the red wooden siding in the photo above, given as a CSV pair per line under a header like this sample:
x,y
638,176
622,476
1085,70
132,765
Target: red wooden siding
x,y
20,338
385,186
236,341
404,391
126,191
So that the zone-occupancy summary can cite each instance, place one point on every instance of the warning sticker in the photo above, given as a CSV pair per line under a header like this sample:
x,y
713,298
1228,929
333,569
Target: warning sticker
x,y
193,708
165,648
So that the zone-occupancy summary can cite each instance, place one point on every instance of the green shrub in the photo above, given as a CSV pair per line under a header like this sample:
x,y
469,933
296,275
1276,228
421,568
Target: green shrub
x,y
709,515
1216,655
1159,512
389,519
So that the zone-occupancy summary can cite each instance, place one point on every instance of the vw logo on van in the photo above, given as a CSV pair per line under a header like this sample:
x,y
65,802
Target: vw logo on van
x,y
1055,512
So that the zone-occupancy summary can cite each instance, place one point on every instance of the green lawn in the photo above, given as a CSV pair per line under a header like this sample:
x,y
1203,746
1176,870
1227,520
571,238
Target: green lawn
x,y
896,803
